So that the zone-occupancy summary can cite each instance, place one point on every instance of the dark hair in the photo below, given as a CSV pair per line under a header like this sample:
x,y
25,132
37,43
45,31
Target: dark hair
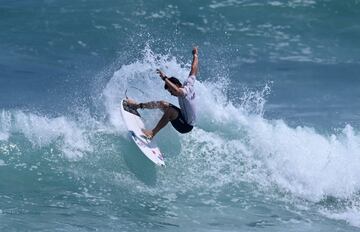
x,y
173,80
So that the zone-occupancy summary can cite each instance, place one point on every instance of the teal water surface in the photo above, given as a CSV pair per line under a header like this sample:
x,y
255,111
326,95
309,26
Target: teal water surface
x,y
276,145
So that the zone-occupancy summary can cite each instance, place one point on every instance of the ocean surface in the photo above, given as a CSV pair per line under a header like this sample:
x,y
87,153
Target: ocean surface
x,y
276,146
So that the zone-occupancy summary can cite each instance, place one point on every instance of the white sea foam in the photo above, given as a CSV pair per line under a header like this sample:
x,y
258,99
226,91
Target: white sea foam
x,y
42,131
350,215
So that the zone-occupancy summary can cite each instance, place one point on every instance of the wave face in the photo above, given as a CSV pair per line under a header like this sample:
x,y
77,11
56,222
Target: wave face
x,y
276,145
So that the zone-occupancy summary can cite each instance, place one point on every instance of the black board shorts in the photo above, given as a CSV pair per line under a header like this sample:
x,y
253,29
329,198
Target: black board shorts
x,y
180,123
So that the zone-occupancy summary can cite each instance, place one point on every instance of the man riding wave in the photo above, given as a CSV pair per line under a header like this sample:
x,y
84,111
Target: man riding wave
x,y
183,118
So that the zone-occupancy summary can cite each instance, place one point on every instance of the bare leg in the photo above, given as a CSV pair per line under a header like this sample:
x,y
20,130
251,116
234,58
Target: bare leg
x,y
169,115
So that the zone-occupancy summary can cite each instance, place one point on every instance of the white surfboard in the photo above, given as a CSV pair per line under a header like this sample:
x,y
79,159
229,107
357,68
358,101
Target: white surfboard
x,y
135,125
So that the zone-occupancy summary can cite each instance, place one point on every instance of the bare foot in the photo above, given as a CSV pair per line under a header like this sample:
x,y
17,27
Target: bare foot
x,y
148,133
132,103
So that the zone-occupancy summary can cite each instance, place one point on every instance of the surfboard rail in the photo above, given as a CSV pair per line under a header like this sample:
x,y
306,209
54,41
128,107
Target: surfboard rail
x,y
135,125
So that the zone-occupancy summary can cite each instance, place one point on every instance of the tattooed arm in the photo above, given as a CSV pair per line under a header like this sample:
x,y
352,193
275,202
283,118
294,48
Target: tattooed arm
x,y
153,105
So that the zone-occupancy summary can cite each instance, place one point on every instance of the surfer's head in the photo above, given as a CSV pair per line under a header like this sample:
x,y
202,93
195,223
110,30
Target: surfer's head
x,y
175,81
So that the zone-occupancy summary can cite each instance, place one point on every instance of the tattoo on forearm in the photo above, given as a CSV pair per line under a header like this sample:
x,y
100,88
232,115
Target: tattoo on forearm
x,y
152,105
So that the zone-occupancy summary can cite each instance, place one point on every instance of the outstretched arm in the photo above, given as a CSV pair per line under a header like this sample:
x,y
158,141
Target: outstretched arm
x,y
195,62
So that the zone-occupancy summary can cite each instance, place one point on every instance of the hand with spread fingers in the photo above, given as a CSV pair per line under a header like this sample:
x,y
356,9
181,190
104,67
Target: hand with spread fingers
x,y
195,51
161,74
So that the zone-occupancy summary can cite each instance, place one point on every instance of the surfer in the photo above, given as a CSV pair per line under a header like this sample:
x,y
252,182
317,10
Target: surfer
x,y
183,118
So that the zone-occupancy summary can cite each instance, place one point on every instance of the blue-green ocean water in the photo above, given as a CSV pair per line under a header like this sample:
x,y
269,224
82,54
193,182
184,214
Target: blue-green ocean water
x,y
277,142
